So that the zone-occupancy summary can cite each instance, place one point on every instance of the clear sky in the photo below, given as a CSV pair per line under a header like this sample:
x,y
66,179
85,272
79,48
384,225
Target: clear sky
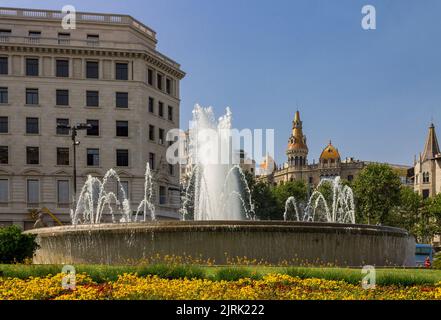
x,y
373,93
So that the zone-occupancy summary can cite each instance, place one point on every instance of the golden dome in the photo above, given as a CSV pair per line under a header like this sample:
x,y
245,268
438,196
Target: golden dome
x,y
330,153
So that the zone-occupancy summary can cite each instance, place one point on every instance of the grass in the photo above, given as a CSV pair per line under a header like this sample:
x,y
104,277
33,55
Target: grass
x,y
384,277
101,273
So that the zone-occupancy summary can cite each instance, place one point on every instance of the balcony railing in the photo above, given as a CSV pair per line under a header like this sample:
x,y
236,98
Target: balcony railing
x,y
80,17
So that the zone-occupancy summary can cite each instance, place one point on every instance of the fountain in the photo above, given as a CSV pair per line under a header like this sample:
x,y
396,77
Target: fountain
x,y
218,220
216,190
342,209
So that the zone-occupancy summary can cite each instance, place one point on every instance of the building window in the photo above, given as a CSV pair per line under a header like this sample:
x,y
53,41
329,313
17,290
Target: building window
x,y
62,97
122,71
168,86
150,77
4,125
171,169
151,105
162,195
92,99
94,130
93,157
63,197
4,155
122,158
32,126
124,193
161,136
122,100
159,82
4,65
4,190
152,133
426,193
4,35
350,178
92,70
152,161
62,156
34,36
32,96
33,192
93,40
62,68
32,67
3,95
32,155
62,127
63,38
170,113
161,109
122,128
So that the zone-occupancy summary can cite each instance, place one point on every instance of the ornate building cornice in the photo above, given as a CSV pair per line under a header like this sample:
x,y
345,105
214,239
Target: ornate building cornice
x,y
98,52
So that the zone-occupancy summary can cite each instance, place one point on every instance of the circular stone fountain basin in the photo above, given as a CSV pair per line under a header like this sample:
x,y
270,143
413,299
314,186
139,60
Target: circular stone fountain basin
x,y
295,243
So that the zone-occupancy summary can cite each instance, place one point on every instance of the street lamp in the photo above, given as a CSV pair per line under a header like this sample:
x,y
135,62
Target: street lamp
x,y
74,132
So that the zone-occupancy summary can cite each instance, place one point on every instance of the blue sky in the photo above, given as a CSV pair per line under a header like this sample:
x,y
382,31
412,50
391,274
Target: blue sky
x,y
373,93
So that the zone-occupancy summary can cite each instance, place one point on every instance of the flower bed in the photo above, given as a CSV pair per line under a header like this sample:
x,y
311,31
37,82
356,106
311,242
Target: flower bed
x,y
270,287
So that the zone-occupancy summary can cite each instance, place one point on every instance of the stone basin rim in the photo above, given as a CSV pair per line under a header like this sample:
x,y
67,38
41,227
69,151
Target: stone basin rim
x,y
186,226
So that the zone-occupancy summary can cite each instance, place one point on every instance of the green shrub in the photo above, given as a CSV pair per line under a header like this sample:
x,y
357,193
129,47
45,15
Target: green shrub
x,y
16,247
352,276
172,271
235,273
437,261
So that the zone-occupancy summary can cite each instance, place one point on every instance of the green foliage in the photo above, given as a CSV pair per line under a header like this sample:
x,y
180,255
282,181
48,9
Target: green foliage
x,y
407,213
437,261
16,247
265,204
377,192
349,275
105,273
235,273
172,271
297,189
384,277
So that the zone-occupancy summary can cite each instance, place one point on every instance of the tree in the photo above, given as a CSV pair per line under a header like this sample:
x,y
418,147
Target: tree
x,y
408,212
297,189
16,247
377,191
264,201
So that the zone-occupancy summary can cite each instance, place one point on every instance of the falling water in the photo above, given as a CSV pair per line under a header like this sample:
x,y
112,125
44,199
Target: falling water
x,y
94,199
215,190
342,209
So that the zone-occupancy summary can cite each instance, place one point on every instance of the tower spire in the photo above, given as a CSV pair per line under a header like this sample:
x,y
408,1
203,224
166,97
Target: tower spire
x,y
297,148
431,149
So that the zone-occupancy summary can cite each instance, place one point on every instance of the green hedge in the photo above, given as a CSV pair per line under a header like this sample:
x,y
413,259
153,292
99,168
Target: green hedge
x,y
16,247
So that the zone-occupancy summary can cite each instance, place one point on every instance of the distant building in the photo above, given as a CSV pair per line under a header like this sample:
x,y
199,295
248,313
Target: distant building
x,y
427,168
298,168
330,163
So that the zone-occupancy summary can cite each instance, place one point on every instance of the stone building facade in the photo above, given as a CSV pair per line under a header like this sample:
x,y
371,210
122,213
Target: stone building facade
x,y
298,168
330,163
427,167
106,73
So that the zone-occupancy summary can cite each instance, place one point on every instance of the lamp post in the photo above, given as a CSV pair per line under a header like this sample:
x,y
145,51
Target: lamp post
x,y
74,132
